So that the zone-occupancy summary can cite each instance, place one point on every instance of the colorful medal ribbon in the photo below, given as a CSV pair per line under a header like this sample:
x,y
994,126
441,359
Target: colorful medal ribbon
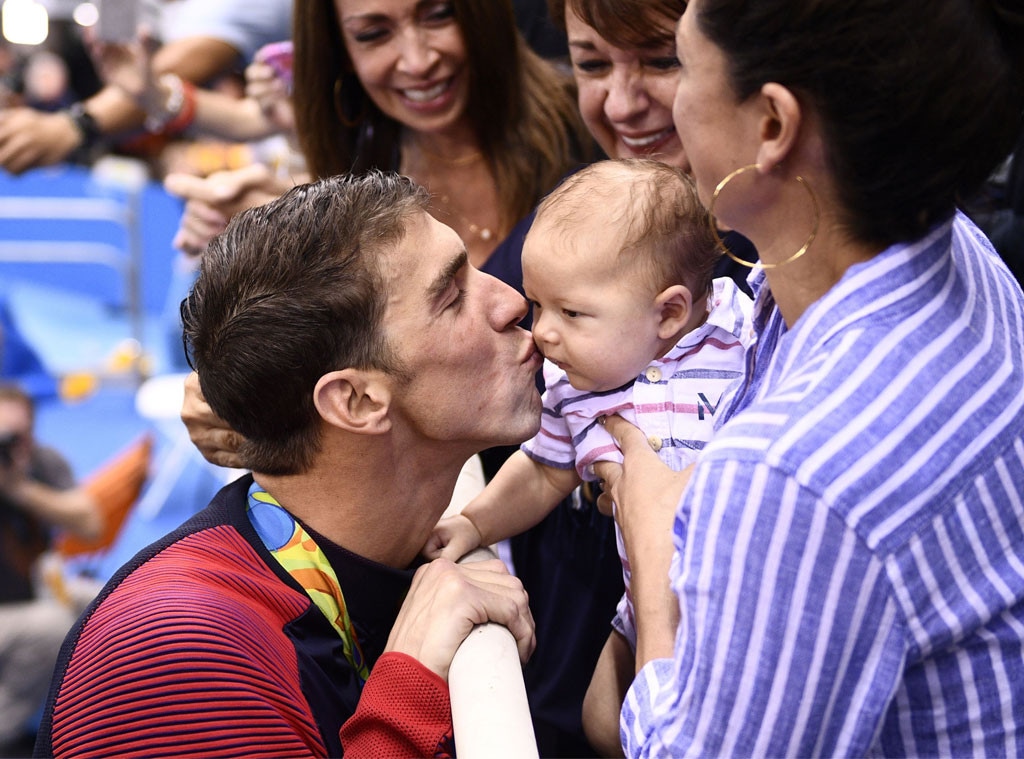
x,y
301,557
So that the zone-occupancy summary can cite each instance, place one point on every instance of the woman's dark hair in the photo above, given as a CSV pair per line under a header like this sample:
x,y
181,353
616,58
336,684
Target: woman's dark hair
x,y
523,108
919,100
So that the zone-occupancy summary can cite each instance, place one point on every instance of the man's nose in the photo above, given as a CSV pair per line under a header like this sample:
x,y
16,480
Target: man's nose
x,y
508,306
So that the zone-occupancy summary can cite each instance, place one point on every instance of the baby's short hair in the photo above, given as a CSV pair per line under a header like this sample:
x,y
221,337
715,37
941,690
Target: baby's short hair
x,y
663,220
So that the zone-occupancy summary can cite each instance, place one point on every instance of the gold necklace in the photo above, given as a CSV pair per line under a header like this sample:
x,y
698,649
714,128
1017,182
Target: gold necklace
x,y
462,160
484,233
443,203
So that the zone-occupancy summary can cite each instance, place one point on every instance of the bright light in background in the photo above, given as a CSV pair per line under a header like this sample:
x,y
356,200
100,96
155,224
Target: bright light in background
x,y
85,14
24,22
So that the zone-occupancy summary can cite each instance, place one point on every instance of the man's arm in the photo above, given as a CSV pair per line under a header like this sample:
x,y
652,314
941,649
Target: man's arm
x,y
179,667
197,59
162,671
386,727
31,138
168,98
404,708
39,482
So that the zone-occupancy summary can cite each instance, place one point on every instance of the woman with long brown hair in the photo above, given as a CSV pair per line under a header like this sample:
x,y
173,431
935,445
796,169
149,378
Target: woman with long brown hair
x,y
446,92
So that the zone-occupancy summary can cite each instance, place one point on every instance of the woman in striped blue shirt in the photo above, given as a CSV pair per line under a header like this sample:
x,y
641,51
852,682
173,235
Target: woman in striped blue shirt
x,y
847,567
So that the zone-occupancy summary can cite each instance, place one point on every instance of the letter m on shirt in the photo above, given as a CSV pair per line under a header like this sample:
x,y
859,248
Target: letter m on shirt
x,y
704,404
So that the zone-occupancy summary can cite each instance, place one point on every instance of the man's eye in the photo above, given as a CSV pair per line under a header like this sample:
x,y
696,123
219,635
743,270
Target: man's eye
x,y
458,299
570,314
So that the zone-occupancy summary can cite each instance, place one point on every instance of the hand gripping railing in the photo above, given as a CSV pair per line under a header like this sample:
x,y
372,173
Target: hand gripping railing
x,y
490,712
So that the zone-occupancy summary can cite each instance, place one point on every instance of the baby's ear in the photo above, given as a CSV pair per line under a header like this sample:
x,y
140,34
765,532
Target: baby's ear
x,y
354,400
674,305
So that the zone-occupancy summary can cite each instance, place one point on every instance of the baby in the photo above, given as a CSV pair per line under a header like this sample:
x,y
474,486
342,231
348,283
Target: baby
x,y
618,269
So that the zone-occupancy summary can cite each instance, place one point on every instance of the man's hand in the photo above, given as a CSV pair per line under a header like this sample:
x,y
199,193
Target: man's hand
x,y
31,138
446,600
213,437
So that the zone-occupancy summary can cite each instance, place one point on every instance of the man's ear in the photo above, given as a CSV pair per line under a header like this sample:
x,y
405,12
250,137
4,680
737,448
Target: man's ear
x,y
355,400
674,305
781,120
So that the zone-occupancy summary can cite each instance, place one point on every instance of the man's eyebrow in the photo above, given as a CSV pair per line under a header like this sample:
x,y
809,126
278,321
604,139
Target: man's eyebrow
x,y
443,281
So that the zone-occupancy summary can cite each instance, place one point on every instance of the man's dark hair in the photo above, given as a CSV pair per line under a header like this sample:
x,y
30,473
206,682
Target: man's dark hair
x,y
287,293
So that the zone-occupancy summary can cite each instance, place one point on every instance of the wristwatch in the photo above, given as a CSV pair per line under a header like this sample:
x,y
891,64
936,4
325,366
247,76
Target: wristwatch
x,y
87,127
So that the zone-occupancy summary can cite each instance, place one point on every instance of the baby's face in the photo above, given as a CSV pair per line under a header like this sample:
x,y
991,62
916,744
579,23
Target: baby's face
x,y
593,315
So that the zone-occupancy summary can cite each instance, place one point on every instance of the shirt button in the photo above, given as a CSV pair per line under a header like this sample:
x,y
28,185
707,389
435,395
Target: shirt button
x,y
653,374
655,442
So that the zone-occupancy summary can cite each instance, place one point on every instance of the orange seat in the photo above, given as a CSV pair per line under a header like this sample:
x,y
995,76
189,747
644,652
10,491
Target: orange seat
x,y
115,486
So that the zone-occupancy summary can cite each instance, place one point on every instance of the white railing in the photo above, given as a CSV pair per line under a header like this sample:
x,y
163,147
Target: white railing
x,y
490,712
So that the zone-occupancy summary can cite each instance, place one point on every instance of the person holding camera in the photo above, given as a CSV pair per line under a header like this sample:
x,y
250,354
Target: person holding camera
x,y
37,495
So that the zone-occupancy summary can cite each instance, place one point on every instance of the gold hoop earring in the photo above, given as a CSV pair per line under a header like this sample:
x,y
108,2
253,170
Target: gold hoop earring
x,y
760,264
349,100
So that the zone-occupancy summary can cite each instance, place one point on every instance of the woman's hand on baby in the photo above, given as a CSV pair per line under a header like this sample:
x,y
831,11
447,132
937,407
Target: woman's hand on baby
x,y
452,538
646,494
644,490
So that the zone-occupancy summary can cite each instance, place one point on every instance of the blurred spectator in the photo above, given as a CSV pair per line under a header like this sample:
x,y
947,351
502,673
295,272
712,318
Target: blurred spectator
x,y
46,82
229,130
203,39
999,211
235,126
37,495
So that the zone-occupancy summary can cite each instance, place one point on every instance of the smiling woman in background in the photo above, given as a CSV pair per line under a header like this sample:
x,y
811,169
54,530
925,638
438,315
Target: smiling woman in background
x,y
446,92
623,55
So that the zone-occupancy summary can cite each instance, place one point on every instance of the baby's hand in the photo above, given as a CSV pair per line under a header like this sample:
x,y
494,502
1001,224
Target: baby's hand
x,y
452,538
